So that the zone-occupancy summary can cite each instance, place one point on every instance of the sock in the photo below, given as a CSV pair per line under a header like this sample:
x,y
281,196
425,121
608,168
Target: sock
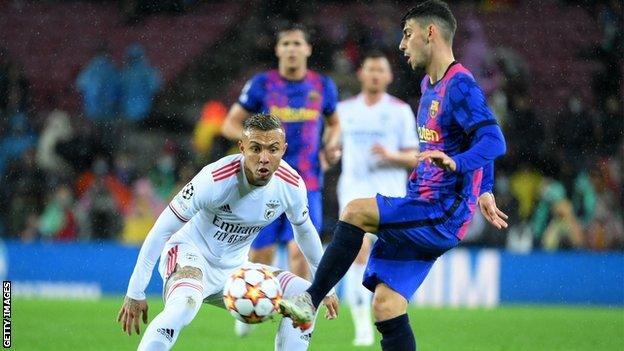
x,y
359,299
336,260
182,303
289,338
396,334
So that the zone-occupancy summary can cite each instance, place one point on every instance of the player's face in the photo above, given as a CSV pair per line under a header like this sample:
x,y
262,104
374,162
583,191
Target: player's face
x,y
293,50
263,151
375,75
415,44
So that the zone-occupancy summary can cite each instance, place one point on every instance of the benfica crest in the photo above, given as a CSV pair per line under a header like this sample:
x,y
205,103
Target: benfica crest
x,y
271,209
433,109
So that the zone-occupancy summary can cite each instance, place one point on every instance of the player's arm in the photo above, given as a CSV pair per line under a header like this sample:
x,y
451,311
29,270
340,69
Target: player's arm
x,y
307,238
232,127
487,203
406,158
135,305
193,197
331,138
331,135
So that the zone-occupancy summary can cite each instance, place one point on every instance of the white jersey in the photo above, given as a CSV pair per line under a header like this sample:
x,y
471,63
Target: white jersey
x,y
390,123
225,213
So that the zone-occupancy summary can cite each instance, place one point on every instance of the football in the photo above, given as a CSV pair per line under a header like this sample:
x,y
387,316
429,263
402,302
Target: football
x,y
252,294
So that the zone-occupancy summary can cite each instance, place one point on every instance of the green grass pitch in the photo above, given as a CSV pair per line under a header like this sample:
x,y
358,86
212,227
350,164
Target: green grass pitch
x,y
90,325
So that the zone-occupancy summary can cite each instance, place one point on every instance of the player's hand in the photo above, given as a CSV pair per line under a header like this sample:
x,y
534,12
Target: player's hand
x,y
129,314
331,302
492,214
332,153
438,158
380,151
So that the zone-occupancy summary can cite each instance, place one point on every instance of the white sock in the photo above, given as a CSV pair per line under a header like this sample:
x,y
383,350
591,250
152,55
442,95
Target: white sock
x,y
289,338
183,300
359,299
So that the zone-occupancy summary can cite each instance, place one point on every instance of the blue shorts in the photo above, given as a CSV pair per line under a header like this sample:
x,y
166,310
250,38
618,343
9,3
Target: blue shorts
x,y
280,230
412,235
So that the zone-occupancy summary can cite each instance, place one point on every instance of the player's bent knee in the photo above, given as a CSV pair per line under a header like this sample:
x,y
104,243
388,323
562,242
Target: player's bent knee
x,y
388,304
187,272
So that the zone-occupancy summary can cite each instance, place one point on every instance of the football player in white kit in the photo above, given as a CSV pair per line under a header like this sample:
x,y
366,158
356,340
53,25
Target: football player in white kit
x,y
379,145
207,229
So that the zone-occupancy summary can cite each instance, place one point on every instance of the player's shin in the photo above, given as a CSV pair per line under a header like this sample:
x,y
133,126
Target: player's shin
x,y
291,338
182,302
396,334
336,260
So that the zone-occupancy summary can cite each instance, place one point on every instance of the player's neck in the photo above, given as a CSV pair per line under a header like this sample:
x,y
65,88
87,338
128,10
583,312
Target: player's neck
x,y
298,73
371,98
439,65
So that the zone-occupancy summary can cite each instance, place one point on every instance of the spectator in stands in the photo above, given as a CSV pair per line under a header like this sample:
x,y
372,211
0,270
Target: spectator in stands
x,y
58,221
99,85
606,228
82,147
162,175
57,129
554,222
208,143
19,139
139,83
18,90
574,131
124,168
104,200
23,187
144,210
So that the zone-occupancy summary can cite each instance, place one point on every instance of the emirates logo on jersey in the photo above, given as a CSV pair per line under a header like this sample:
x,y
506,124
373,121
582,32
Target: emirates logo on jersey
x,y
433,109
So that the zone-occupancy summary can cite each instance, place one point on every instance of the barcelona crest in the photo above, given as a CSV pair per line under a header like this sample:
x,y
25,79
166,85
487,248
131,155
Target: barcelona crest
x,y
433,110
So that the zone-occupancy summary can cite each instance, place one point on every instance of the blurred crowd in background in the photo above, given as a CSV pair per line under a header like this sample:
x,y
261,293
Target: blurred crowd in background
x,y
99,155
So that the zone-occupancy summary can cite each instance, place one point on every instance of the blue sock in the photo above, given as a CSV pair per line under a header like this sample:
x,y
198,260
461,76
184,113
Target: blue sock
x,y
396,334
336,260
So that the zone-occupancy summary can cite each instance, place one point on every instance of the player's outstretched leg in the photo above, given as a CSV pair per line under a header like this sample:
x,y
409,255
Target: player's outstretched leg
x,y
288,337
360,216
390,309
183,298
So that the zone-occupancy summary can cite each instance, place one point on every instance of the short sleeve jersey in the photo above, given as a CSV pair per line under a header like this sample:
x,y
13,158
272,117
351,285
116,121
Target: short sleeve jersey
x,y
300,105
391,123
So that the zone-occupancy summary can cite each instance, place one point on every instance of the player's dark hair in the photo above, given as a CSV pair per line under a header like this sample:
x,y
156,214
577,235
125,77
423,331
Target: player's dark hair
x,y
290,27
435,11
374,54
262,121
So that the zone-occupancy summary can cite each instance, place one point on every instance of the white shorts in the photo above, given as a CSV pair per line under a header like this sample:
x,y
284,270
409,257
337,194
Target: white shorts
x,y
187,254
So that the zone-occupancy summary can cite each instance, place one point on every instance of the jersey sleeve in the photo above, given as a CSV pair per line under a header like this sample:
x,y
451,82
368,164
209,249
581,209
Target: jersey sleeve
x,y
330,95
297,210
468,104
409,139
196,195
252,95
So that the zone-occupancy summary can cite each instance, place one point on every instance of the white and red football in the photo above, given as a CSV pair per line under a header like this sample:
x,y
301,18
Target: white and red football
x,y
252,294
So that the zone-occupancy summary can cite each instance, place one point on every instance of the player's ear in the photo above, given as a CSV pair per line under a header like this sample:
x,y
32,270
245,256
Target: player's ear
x,y
241,147
309,50
359,74
284,149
